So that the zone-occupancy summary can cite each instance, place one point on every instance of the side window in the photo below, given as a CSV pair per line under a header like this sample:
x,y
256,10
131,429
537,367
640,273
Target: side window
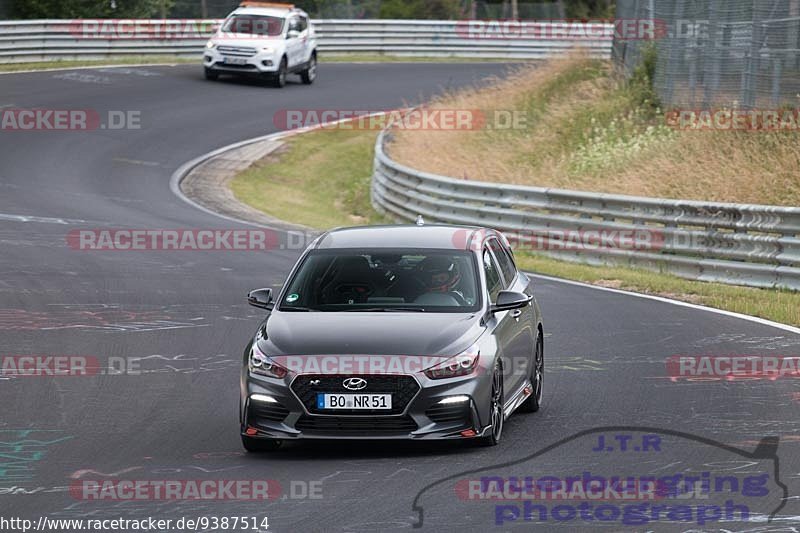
x,y
493,281
294,24
504,260
303,23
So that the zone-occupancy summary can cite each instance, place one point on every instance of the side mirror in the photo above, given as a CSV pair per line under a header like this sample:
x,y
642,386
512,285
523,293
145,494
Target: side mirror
x,y
508,300
261,298
292,34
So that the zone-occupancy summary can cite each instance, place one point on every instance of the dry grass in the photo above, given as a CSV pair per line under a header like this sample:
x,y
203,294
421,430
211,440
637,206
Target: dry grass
x,y
584,130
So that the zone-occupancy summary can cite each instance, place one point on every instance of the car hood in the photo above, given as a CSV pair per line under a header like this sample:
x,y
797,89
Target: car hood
x,y
245,40
378,333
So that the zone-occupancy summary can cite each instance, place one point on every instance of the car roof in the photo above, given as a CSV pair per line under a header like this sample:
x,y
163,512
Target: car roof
x,y
279,12
433,236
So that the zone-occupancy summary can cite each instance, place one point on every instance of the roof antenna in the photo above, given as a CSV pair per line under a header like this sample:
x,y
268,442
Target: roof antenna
x,y
420,220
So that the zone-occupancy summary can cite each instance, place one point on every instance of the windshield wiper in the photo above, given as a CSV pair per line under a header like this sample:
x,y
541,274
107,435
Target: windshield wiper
x,y
297,309
385,309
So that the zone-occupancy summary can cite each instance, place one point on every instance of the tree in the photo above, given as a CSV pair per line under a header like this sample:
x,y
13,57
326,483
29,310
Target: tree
x,y
93,9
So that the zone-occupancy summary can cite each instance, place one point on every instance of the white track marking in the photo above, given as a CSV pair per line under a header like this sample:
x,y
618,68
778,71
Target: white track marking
x,y
43,220
757,320
136,162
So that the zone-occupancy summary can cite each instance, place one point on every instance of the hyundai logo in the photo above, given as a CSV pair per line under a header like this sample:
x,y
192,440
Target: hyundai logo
x,y
354,383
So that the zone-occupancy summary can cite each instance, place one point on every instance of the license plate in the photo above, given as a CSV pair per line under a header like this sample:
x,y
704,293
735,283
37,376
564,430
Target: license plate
x,y
234,60
354,401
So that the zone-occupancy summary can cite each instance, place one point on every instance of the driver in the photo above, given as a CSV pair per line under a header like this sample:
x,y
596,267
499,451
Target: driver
x,y
439,274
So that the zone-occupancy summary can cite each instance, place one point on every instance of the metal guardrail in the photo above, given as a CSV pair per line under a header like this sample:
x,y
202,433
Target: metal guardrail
x,y
751,245
52,40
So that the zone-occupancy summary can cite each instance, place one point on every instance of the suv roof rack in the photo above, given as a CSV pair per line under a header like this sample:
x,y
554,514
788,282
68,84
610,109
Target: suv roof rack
x,y
276,5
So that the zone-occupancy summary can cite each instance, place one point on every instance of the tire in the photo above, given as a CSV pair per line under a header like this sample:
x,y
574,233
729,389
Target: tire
x,y
260,445
310,74
211,75
534,401
279,80
496,401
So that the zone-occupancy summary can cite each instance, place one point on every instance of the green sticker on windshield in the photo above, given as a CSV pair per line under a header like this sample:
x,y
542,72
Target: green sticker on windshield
x,y
292,298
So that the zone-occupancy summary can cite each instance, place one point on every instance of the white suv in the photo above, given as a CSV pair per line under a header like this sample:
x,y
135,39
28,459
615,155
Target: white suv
x,y
270,41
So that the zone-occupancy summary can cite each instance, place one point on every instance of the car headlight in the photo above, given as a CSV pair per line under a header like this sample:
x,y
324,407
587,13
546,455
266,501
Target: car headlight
x,y
260,363
460,365
268,50
211,44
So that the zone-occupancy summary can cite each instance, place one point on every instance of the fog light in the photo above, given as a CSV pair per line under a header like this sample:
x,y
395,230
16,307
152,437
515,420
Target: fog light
x,y
262,398
267,62
251,431
208,58
454,399
468,433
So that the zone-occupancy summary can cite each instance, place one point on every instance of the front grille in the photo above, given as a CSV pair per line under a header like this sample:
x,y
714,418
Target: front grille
x,y
402,388
266,411
356,426
448,413
236,67
238,51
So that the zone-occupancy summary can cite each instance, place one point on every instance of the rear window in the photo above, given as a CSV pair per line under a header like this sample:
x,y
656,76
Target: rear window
x,y
384,280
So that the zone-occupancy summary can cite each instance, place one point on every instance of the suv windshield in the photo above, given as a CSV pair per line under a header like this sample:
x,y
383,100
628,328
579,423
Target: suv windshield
x,y
439,281
254,25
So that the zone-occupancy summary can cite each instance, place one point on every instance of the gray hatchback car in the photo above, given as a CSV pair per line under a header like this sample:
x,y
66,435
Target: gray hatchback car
x,y
394,332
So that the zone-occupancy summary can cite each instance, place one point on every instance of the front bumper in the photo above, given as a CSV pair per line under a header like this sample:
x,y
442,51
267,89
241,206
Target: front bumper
x,y
246,62
417,413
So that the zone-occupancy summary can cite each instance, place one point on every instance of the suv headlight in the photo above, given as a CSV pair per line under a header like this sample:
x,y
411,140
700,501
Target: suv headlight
x,y
268,50
210,45
460,365
260,363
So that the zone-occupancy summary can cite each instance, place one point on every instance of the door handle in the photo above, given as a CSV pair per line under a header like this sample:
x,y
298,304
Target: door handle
x,y
516,313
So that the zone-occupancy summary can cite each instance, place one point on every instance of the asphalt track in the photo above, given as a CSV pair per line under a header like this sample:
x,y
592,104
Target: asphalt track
x,y
184,315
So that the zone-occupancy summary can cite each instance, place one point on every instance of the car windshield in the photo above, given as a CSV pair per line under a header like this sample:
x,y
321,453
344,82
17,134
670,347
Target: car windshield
x,y
438,281
254,25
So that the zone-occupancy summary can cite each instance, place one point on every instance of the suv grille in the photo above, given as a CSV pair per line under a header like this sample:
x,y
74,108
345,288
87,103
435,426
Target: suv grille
x,y
402,388
239,51
356,426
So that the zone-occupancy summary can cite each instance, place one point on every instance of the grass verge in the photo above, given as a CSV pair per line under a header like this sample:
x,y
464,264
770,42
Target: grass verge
x,y
322,179
779,306
319,179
